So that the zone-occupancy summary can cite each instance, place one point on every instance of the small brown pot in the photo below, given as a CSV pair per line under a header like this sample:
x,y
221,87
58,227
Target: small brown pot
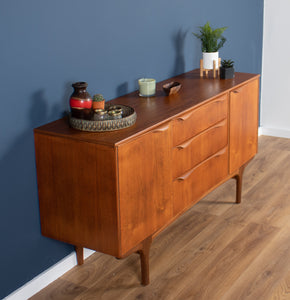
x,y
98,105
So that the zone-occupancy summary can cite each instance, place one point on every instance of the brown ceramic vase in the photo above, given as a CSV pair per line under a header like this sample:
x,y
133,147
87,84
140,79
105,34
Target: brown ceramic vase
x,y
81,101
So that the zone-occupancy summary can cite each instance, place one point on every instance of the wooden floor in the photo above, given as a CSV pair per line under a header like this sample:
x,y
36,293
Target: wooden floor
x,y
216,251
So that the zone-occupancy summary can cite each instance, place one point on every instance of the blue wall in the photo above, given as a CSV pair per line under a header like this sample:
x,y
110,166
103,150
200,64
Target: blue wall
x,y
47,45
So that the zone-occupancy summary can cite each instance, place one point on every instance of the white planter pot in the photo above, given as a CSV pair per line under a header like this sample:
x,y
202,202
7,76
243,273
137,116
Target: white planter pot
x,y
208,58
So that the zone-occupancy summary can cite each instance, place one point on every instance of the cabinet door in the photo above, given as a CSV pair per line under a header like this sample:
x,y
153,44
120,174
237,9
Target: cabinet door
x,y
77,196
144,185
244,102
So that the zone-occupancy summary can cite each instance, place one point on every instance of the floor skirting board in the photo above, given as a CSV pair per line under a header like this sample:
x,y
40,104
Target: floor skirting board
x,y
45,278
277,132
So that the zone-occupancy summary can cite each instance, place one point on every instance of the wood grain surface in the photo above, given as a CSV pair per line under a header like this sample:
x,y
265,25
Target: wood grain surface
x,y
155,110
77,204
217,250
244,117
144,186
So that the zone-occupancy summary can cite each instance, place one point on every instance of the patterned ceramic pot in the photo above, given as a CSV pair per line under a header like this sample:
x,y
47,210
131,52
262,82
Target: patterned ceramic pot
x,y
98,104
81,101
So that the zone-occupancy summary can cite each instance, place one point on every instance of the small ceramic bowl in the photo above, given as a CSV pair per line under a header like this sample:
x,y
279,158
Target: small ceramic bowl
x,y
171,88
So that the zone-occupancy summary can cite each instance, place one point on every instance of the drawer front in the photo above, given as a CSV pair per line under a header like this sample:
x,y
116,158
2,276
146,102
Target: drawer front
x,y
195,150
192,123
190,187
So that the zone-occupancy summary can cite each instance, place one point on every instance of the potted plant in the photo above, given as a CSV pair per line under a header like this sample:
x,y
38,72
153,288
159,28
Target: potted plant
x,y
98,101
211,41
227,70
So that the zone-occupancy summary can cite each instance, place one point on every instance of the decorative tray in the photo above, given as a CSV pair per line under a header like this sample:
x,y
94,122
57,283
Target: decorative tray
x,y
128,118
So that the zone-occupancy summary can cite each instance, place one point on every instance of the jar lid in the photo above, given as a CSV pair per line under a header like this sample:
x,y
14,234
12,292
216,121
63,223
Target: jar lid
x,y
115,112
80,84
115,107
100,111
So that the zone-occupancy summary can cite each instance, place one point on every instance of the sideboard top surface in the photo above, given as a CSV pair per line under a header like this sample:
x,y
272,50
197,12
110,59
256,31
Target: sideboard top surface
x,y
155,110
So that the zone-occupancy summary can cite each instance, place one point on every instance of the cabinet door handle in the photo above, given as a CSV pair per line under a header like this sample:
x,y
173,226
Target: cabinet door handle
x,y
235,92
161,129
185,117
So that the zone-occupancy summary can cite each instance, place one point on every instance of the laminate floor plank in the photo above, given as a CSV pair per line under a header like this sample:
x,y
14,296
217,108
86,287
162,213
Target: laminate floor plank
x,y
218,250
185,267
268,198
258,281
220,275
282,289
218,201
60,289
223,198
94,268
176,236
163,250
275,143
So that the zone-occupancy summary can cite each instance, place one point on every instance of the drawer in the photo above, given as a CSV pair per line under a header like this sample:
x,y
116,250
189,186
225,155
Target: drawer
x,y
190,187
195,150
192,123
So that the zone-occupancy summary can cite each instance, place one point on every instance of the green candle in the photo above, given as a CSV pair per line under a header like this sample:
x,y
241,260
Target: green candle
x,y
147,87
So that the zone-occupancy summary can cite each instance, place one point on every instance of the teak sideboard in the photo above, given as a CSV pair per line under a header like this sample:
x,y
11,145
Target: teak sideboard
x,y
113,192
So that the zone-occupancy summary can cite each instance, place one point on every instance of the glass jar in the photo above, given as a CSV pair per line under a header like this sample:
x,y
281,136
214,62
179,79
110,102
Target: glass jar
x,y
100,114
115,114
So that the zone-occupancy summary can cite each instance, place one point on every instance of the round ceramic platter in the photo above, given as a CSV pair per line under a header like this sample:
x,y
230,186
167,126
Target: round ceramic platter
x,y
128,119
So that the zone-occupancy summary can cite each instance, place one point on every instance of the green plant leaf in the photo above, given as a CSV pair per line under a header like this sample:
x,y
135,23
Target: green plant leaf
x,y
211,39
227,63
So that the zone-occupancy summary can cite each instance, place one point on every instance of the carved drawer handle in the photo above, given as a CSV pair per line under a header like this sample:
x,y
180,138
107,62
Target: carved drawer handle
x,y
185,117
221,99
221,124
186,175
187,143
161,129
221,152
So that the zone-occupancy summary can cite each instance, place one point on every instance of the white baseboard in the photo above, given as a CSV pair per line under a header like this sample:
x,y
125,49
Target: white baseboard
x,y
260,130
45,278
278,132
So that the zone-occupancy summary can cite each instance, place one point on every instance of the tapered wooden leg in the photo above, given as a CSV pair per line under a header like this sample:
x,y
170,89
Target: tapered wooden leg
x,y
201,68
144,258
239,179
80,255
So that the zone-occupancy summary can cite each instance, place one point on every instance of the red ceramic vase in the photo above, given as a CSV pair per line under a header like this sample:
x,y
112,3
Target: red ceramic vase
x,y
81,101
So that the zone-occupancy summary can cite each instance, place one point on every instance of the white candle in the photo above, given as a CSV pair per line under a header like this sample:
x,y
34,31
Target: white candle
x,y
147,87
